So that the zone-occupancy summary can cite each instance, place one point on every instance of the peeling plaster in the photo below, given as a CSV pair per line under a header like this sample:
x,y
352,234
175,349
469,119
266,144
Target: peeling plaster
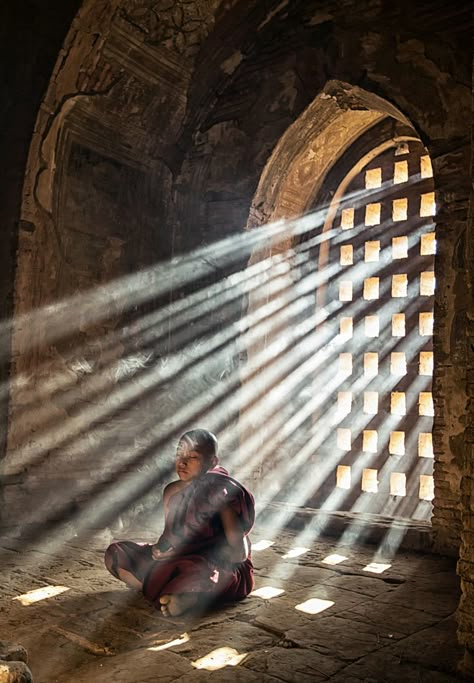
x,y
231,64
43,191
288,93
320,18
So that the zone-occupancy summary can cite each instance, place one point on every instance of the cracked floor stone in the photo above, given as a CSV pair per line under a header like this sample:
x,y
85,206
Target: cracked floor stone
x,y
362,619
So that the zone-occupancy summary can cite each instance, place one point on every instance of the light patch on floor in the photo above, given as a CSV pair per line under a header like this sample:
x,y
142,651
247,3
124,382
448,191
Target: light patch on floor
x,y
267,592
334,559
314,605
376,567
172,643
295,552
40,594
217,659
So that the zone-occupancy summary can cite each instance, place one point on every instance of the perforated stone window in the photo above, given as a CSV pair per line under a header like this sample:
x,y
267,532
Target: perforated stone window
x,y
382,301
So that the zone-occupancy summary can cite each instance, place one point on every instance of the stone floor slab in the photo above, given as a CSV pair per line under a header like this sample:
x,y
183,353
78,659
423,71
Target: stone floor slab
x,y
382,667
142,666
364,584
294,664
341,638
439,604
434,647
398,618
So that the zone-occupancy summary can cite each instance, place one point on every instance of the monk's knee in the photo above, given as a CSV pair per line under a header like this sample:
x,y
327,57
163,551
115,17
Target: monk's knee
x,y
110,559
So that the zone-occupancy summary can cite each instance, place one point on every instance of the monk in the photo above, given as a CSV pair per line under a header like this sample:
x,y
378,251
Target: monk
x,y
203,554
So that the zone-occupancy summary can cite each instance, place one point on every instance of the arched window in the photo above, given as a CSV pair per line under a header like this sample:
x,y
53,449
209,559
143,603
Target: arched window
x,y
376,307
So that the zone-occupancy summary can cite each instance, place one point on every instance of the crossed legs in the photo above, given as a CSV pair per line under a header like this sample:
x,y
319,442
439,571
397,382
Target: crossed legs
x,y
133,556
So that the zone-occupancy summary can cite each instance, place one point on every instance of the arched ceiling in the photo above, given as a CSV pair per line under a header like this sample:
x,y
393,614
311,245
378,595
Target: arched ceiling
x,y
179,27
303,155
199,93
159,71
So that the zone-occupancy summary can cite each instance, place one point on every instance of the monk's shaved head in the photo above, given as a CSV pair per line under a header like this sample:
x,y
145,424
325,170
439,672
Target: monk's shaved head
x,y
202,441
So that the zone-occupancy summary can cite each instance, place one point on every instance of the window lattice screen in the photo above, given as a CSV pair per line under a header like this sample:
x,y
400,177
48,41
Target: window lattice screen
x,y
383,294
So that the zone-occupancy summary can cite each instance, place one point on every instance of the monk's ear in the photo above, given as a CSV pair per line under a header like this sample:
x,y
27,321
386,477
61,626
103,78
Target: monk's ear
x,y
214,461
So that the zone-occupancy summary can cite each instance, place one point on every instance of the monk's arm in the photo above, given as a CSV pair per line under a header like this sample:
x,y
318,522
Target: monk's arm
x,y
167,493
238,545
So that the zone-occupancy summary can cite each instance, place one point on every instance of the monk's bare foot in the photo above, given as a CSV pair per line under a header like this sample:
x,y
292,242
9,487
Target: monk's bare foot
x,y
174,605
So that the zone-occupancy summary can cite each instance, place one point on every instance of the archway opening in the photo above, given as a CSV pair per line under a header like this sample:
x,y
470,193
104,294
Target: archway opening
x,y
343,415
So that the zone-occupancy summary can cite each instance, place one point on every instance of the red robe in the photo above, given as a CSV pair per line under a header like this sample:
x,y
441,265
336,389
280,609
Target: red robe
x,y
193,528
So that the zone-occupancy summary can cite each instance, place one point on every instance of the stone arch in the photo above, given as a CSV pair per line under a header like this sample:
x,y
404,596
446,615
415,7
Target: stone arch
x,y
337,116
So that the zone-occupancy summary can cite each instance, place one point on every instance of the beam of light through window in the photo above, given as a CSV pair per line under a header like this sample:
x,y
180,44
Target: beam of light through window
x,y
262,545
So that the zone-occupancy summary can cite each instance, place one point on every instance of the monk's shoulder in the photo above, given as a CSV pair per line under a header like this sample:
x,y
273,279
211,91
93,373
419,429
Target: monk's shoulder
x,y
223,482
220,488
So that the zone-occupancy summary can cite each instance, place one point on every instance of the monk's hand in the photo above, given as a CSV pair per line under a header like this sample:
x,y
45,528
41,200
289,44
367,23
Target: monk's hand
x,y
227,555
158,554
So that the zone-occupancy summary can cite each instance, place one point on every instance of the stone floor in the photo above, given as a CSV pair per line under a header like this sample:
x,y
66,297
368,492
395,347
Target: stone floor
x,y
362,622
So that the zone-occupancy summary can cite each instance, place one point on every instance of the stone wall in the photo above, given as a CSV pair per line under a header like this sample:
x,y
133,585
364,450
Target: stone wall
x,y
31,37
465,261
104,379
